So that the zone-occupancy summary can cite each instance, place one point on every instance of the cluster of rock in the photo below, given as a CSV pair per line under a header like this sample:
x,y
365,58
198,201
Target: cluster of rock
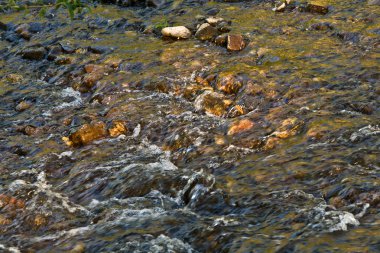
x,y
289,5
213,29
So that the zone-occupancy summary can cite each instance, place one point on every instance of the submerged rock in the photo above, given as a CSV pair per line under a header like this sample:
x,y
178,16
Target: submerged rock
x,y
240,126
228,84
23,105
178,32
118,128
212,102
206,32
86,134
98,49
221,40
34,53
316,9
23,31
235,42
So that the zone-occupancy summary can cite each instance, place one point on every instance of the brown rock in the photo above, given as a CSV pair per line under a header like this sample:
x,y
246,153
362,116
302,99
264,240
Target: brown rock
x,y
212,102
14,78
118,128
4,220
240,126
206,32
28,130
63,60
34,53
94,74
23,31
40,220
228,83
221,40
235,42
253,88
317,9
288,128
86,134
23,105
271,143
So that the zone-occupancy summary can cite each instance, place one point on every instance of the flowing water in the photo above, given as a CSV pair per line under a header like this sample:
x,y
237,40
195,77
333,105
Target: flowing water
x,y
301,176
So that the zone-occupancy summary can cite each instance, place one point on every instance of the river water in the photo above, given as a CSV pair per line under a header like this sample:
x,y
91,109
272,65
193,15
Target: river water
x,y
287,163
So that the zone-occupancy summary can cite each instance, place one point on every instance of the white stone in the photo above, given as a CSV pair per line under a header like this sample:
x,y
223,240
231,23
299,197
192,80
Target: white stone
x,y
214,20
179,32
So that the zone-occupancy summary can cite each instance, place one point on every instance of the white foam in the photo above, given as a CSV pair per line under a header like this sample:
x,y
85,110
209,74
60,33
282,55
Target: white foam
x,y
70,92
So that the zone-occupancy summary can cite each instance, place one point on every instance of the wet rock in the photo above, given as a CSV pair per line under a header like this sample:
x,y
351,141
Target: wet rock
x,y
374,2
4,220
353,37
3,26
67,49
221,40
177,32
287,5
316,9
54,52
212,102
228,83
213,11
78,248
214,20
11,202
235,42
99,49
176,141
23,31
118,128
35,27
63,60
240,126
362,108
28,130
14,78
34,53
288,128
206,32
86,134
40,220
323,26
271,143
11,37
113,62
94,74
154,3
23,105
223,27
